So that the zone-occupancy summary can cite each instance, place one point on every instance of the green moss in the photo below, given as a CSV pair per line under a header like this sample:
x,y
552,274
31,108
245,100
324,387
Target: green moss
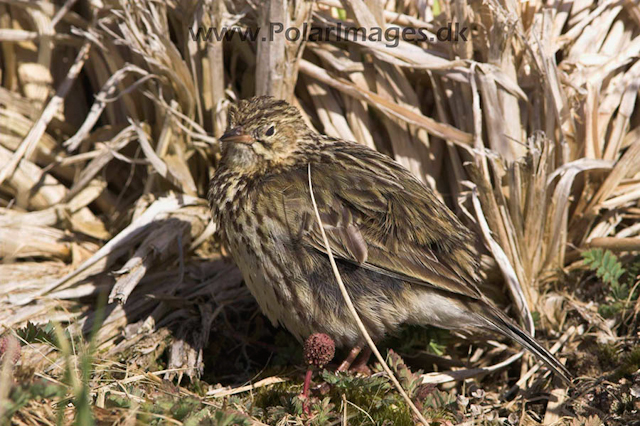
x,y
374,395
629,364
608,355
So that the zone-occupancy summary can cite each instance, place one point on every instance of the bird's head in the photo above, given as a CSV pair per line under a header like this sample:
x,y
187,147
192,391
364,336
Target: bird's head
x,y
263,132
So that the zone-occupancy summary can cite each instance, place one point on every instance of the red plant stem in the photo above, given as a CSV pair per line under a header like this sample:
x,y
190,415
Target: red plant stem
x,y
305,391
307,383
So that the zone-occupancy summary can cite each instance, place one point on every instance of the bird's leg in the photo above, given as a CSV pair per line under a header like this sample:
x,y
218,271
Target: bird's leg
x,y
350,358
360,366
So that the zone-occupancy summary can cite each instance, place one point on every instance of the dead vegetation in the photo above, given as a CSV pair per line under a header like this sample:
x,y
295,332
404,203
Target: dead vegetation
x,y
109,114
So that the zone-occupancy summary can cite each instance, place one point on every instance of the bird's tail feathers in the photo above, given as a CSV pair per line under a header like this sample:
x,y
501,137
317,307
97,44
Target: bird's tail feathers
x,y
506,327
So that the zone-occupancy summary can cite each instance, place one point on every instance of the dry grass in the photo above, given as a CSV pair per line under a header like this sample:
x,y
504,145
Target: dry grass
x,y
109,114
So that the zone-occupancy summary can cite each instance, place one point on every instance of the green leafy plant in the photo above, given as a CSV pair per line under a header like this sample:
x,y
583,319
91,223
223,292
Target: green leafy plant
x,y
605,264
610,270
38,333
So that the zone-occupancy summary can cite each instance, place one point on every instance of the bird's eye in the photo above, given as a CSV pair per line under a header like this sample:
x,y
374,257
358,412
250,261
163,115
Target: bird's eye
x,y
270,131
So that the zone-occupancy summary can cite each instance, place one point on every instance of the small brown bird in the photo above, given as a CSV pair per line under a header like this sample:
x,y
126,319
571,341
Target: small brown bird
x,y
403,255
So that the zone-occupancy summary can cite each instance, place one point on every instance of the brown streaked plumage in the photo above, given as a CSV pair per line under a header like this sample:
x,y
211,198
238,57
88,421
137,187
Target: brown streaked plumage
x,y
402,254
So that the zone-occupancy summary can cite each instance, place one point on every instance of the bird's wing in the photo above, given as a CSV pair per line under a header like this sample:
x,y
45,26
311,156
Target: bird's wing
x,y
376,214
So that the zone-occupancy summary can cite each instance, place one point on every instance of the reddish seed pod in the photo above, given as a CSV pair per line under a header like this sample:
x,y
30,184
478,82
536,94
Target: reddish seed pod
x,y
319,349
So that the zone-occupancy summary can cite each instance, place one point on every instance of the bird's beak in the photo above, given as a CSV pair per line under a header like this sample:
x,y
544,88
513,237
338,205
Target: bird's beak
x,y
237,135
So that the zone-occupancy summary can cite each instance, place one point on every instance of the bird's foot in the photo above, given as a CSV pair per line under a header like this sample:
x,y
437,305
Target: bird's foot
x,y
359,366
361,369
